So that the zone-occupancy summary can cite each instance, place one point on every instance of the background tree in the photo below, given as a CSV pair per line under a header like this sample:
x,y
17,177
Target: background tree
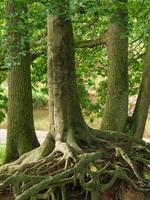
x,y
116,105
140,113
121,21
21,136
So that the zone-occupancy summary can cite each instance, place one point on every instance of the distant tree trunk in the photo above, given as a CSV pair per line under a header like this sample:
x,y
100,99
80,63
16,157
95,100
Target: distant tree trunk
x,y
21,136
116,105
138,121
140,113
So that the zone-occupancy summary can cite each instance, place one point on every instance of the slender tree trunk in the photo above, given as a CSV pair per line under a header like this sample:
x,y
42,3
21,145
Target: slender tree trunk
x,y
116,105
140,113
21,136
138,122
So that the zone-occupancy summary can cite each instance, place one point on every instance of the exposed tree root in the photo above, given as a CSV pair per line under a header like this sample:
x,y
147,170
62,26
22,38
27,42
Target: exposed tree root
x,y
116,159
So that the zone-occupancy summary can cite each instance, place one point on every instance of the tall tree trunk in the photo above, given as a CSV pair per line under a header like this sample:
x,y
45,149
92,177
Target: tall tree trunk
x,y
65,114
140,113
116,105
21,136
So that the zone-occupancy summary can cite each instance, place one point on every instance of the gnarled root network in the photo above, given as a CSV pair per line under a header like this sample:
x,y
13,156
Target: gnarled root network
x,y
95,172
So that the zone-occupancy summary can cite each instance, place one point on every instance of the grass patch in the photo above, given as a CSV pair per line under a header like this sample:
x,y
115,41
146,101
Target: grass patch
x,y
2,153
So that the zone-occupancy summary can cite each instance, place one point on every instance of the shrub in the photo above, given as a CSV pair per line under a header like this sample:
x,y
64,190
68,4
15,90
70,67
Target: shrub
x,y
40,100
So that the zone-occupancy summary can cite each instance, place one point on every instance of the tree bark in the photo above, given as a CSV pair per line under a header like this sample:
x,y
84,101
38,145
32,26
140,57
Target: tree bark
x,y
140,113
66,118
21,135
116,105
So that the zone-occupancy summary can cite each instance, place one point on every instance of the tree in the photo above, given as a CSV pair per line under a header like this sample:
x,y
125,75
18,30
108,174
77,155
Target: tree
x,y
73,156
138,120
116,105
137,125
21,136
65,113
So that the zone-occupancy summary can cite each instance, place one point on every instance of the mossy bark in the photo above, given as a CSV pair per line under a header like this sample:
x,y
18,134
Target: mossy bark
x,y
65,113
140,113
116,105
21,135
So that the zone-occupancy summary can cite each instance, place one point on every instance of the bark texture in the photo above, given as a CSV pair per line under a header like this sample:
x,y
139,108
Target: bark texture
x,y
65,113
21,136
116,105
140,113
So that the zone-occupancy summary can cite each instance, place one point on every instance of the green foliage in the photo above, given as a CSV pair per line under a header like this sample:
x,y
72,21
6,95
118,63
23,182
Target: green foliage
x,y
147,175
3,98
90,78
39,100
58,8
39,74
2,153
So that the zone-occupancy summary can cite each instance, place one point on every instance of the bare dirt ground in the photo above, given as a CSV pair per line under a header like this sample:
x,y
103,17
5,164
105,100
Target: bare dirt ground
x,y
40,134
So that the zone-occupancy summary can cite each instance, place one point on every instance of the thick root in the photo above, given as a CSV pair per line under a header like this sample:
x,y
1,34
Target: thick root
x,y
64,148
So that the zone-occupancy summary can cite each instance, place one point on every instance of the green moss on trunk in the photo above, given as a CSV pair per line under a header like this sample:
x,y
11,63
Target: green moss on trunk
x,y
116,105
140,113
21,136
